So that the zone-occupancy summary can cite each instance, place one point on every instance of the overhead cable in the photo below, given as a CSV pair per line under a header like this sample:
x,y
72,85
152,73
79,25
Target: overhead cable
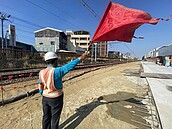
x,y
52,13
66,13
90,9
23,14
6,26
22,20
130,50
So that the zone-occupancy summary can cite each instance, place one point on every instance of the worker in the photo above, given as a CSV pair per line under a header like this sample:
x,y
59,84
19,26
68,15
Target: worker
x,y
51,88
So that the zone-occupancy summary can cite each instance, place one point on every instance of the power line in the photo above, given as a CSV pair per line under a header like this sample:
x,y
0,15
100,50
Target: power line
x,y
24,26
21,37
22,13
52,13
90,9
33,24
66,13
52,4
130,50
6,26
26,31
21,26
110,43
27,22
25,36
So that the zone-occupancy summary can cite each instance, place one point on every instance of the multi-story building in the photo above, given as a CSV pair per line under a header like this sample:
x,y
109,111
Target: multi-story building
x,y
49,39
81,39
102,49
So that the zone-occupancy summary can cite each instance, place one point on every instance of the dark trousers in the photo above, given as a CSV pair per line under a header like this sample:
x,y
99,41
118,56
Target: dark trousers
x,y
52,108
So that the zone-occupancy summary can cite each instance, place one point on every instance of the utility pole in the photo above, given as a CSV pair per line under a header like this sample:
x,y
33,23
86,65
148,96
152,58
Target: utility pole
x,y
95,52
92,50
3,16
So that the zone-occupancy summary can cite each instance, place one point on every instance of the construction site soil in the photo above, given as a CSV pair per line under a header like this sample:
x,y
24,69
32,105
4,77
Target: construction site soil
x,y
103,99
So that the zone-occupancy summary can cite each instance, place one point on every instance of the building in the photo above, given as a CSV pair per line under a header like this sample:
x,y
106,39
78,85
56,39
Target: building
x,y
115,54
102,49
49,39
19,51
160,52
72,45
161,55
18,45
129,55
80,39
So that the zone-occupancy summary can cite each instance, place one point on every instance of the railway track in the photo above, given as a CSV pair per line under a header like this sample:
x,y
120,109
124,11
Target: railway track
x,y
18,75
26,87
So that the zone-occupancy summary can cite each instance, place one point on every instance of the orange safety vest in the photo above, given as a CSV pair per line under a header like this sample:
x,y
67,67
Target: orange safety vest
x,y
46,76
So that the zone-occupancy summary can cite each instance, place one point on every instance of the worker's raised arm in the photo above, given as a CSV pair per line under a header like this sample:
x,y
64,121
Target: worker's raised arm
x,y
83,55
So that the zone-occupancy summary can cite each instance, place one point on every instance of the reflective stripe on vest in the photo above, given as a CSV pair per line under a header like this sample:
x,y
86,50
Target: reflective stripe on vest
x,y
46,76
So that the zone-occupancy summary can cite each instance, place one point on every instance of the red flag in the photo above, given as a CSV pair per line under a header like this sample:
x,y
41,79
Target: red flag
x,y
119,23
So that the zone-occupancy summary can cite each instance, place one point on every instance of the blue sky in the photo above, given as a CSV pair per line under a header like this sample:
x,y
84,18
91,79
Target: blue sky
x,y
72,15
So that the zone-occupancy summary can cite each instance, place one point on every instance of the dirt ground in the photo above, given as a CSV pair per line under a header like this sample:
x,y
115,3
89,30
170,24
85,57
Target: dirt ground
x,y
103,99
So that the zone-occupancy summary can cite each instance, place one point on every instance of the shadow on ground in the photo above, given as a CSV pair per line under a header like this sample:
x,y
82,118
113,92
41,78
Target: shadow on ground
x,y
131,72
120,106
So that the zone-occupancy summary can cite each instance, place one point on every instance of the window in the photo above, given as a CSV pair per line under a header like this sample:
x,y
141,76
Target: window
x,y
83,38
75,38
39,34
40,43
52,42
83,44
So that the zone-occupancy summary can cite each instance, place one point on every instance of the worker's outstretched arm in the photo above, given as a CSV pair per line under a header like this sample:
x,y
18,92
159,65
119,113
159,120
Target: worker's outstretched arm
x,y
83,55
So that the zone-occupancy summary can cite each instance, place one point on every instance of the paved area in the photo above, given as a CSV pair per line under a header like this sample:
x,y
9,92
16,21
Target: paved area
x,y
162,91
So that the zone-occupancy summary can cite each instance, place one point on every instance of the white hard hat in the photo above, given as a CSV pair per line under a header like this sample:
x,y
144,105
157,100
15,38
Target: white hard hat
x,y
50,55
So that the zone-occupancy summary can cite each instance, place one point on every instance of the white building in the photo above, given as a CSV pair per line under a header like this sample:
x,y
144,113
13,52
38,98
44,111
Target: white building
x,y
80,39
160,51
50,39
162,55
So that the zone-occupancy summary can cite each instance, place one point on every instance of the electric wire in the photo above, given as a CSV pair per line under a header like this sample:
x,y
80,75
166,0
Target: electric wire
x,y
24,14
27,22
23,37
130,50
24,26
52,14
6,26
52,4
66,13
30,23
90,9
